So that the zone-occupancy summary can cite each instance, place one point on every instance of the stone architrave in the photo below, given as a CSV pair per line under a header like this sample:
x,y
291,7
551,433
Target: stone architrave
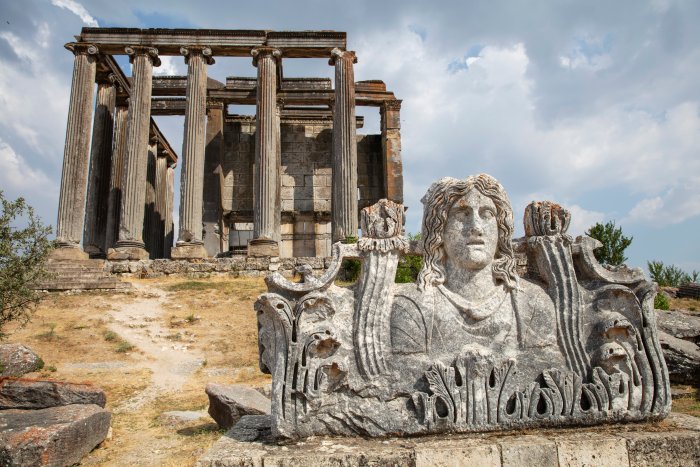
x,y
470,346
100,167
76,155
344,158
189,242
391,150
212,189
115,179
130,244
266,178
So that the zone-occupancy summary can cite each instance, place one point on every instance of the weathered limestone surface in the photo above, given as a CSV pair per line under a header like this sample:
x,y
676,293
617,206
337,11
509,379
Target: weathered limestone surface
x,y
471,346
115,180
682,358
192,176
17,360
227,404
40,394
56,436
130,238
344,186
266,211
215,236
391,148
71,203
675,442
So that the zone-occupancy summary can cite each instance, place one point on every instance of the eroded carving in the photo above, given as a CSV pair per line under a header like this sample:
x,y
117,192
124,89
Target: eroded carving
x,y
471,346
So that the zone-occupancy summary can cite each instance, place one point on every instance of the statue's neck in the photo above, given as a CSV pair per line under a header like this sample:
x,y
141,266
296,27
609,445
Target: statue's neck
x,y
472,284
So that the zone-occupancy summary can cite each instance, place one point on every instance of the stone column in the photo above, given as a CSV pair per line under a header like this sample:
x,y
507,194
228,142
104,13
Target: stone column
x,y
161,206
266,179
71,203
344,213
117,172
391,150
130,243
100,168
211,195
169,202
189,242
149,202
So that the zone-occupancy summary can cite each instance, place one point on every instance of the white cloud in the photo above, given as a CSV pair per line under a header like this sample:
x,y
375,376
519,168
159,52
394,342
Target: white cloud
x,y
167,66
78,10
17,176
582,219
678,204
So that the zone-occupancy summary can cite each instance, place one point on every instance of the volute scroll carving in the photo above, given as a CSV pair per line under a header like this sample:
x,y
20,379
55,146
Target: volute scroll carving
x,y
471,346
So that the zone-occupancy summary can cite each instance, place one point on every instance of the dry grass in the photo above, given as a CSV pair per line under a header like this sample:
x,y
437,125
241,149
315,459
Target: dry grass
x,y
688,304
214,317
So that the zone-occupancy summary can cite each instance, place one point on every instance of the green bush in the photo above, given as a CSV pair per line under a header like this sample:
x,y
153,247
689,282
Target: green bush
x,y
614,243
669,276
350,270
408,268
661,302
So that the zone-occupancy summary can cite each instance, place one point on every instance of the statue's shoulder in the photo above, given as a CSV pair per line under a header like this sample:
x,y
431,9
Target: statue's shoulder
x,y
536,314
409,323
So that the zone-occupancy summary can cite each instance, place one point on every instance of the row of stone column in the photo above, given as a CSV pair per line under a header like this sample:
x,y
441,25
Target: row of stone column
x,y
118,162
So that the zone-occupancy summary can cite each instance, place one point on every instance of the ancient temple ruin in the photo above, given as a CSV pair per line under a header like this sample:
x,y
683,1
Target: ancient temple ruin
x,y
287,181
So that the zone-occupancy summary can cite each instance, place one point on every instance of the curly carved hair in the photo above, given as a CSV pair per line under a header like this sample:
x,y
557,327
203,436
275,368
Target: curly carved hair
x,y
436,204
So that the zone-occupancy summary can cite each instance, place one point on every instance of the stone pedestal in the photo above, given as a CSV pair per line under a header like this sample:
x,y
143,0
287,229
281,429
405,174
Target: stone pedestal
x,y
263,247
71,204
266,179
344,212
188,252
135,164
192,177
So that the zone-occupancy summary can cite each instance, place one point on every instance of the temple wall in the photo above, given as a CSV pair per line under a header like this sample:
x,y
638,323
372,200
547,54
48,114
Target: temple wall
x,y
305,179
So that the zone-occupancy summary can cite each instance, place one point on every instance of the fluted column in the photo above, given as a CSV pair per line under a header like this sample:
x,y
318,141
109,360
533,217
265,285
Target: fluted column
x,y
160,206
130,243
115,180
266,180
71,203
189,242
344,213
391,150
149,202
211,194
168,218
100,168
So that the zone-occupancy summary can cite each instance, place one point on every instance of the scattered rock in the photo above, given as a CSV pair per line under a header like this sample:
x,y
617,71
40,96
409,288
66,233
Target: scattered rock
x,y
265,390
58,436
178,418
679,324
40,394
229,403
682,359
17,360
252,428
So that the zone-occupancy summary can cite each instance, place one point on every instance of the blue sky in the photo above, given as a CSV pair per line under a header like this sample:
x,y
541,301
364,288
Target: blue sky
x,y
594,105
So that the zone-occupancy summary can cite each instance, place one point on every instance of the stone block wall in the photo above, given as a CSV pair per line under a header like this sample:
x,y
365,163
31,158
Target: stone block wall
x,y
305,180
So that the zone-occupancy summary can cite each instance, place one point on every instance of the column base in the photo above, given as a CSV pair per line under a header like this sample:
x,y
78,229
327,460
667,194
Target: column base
x,y
127,253
263,247
188,251
95,252
68,253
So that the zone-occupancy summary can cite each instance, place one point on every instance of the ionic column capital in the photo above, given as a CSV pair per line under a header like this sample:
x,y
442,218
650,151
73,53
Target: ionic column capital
x,y
259,52
150,52
82,48
342,54
192,50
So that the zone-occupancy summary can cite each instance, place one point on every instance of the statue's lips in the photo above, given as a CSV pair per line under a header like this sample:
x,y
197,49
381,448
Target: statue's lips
x,y
475,242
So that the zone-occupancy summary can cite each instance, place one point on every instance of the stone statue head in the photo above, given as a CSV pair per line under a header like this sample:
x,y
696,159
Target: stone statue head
x,y
437,207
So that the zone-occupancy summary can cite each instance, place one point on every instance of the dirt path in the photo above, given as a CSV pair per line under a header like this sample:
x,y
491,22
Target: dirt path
x,y
171,362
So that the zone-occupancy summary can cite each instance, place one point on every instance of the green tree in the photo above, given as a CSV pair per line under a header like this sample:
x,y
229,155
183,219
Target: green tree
x,y
670,276
23,254
614,243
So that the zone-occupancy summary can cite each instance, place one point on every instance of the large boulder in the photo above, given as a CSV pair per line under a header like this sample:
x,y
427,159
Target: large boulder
x,y
680,324
252,428
17,360
40,394
682,359
56,436
227,404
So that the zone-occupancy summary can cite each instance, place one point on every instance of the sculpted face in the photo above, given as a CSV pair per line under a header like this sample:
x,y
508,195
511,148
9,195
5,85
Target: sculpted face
x,y
470,238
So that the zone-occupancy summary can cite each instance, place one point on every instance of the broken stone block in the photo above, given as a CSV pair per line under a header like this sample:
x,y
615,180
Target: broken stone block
x,y
56,436
16,360
679,324
227,404
252,428
37,394
178,418
682,359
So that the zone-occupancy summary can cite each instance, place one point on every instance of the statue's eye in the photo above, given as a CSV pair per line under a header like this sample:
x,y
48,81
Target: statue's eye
x,y
487,213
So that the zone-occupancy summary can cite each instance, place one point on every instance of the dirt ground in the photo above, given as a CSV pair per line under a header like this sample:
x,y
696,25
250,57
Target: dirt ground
x,y
153,349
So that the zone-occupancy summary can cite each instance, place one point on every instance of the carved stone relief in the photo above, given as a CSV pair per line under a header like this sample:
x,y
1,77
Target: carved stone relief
x,y
471,346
